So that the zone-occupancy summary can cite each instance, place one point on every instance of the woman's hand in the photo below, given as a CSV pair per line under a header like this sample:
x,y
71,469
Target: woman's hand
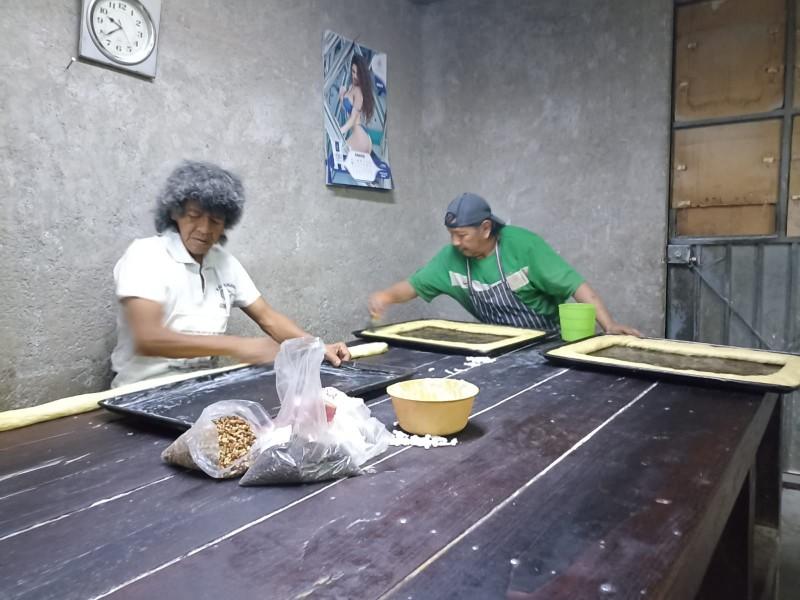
x,y
336,353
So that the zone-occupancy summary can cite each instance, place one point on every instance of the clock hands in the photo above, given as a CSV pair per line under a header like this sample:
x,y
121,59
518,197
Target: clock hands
x,y
112,31
119,26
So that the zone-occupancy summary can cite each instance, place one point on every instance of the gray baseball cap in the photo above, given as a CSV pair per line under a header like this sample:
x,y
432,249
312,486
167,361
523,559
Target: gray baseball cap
x,y
469,210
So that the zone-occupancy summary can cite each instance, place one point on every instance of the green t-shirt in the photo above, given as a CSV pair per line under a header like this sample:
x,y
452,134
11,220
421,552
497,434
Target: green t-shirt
x,y
536,273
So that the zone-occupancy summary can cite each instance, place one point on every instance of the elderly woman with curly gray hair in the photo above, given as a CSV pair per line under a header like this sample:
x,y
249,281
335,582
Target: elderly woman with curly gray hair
x,y
176,289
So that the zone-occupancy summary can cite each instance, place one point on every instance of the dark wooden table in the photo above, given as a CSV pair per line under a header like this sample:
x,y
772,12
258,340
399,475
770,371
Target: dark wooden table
x,y
566,484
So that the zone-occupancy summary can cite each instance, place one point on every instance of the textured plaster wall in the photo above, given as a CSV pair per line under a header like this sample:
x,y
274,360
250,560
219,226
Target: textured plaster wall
x,y
84,151
557,111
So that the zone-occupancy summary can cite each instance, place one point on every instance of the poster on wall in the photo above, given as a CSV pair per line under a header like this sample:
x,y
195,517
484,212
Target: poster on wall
x,y
354,101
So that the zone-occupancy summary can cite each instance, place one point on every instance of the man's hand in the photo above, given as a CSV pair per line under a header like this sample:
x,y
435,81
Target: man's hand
x,y
587,295
256,350
336,353
377,304
379,301
618,329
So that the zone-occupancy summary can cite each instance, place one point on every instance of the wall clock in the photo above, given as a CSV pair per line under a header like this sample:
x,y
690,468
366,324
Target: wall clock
x,y
122,34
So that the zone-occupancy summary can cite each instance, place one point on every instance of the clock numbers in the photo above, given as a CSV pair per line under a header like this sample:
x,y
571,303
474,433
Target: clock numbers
x,y
122,30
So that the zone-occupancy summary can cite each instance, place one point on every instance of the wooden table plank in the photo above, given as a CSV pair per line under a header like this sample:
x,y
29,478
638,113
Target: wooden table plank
x,y
76,482
75,470
360,538
136,528
70,436
633,513
148,520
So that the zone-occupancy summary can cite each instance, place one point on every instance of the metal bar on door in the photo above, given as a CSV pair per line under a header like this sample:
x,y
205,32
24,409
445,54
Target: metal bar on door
x,y
740,240
786,133
791,308
696,291
726,319
732,120
758,293
730,306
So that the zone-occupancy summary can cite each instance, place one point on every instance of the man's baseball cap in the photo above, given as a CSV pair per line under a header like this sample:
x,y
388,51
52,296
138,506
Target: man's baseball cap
x,y
469,210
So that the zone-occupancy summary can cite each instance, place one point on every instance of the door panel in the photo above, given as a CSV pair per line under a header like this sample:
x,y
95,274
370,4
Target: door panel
x,y
732,273
728,58
726,220
793,214
726,165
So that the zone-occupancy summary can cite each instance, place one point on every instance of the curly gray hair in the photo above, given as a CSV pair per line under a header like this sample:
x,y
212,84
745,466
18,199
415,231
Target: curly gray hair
x,y
218,191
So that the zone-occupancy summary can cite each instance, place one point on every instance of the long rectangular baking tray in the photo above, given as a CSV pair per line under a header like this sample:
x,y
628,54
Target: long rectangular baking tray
x,y
179,404
456,337
685,361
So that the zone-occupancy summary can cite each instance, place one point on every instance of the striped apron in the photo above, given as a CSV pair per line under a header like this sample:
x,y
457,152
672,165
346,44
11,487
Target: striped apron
x,y
499,305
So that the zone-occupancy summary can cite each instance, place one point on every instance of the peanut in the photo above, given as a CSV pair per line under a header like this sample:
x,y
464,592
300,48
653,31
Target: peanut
x,y
235,437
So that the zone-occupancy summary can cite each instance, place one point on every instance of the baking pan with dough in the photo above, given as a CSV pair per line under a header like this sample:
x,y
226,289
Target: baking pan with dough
x,y
454,336
685,360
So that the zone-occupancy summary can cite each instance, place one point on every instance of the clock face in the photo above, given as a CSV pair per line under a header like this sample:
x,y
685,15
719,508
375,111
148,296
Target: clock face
x,y
122,30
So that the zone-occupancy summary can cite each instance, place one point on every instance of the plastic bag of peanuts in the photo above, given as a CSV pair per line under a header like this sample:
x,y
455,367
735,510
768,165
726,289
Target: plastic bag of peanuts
x,y
220,443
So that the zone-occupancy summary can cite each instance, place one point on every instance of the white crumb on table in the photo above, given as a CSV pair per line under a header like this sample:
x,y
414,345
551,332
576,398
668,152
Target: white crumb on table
x,y
427,441
475,361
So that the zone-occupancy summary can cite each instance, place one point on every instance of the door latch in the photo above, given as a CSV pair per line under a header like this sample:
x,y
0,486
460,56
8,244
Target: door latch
x,y
680,255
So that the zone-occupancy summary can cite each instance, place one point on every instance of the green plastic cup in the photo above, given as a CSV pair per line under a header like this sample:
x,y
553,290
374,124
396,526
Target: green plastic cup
x,y
577,321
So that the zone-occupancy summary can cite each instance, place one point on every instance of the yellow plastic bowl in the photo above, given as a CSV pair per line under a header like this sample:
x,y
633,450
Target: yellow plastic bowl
x,y
434,406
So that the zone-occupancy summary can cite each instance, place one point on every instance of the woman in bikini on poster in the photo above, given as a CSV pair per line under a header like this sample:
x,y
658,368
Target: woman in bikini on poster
x,y
359,105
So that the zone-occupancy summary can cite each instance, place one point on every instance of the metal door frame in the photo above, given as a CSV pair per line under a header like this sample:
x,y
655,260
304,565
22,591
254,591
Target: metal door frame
x,y
686,251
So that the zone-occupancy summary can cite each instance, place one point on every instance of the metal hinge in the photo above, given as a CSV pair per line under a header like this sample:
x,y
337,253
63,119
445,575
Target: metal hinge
x,y
680,255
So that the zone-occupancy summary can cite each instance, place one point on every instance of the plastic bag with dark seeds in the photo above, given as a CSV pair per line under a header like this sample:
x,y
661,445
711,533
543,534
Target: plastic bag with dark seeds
x,y
300,460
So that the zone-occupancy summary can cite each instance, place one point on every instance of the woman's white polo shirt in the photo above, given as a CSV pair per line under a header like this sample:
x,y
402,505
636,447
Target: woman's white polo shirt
x,y
195,299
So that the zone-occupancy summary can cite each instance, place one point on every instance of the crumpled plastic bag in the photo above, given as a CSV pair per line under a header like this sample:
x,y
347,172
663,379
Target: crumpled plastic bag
x,y
362,435
303,446
199,447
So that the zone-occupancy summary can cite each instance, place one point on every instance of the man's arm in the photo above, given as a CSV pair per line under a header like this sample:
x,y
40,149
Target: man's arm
x,y
280,328
586,294
150,337
400,292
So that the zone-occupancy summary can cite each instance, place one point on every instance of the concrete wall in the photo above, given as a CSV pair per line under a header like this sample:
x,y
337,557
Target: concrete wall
x,y
84,151
556,111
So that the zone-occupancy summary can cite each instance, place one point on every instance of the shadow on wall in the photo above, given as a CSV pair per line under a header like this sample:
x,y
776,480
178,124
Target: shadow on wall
x,y
367,194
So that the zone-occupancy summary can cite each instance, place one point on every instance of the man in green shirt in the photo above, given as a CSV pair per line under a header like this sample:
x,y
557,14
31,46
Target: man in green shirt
x,y
501,274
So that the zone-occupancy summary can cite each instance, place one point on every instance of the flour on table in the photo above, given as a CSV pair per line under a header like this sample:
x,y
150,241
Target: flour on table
x,y
427,441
